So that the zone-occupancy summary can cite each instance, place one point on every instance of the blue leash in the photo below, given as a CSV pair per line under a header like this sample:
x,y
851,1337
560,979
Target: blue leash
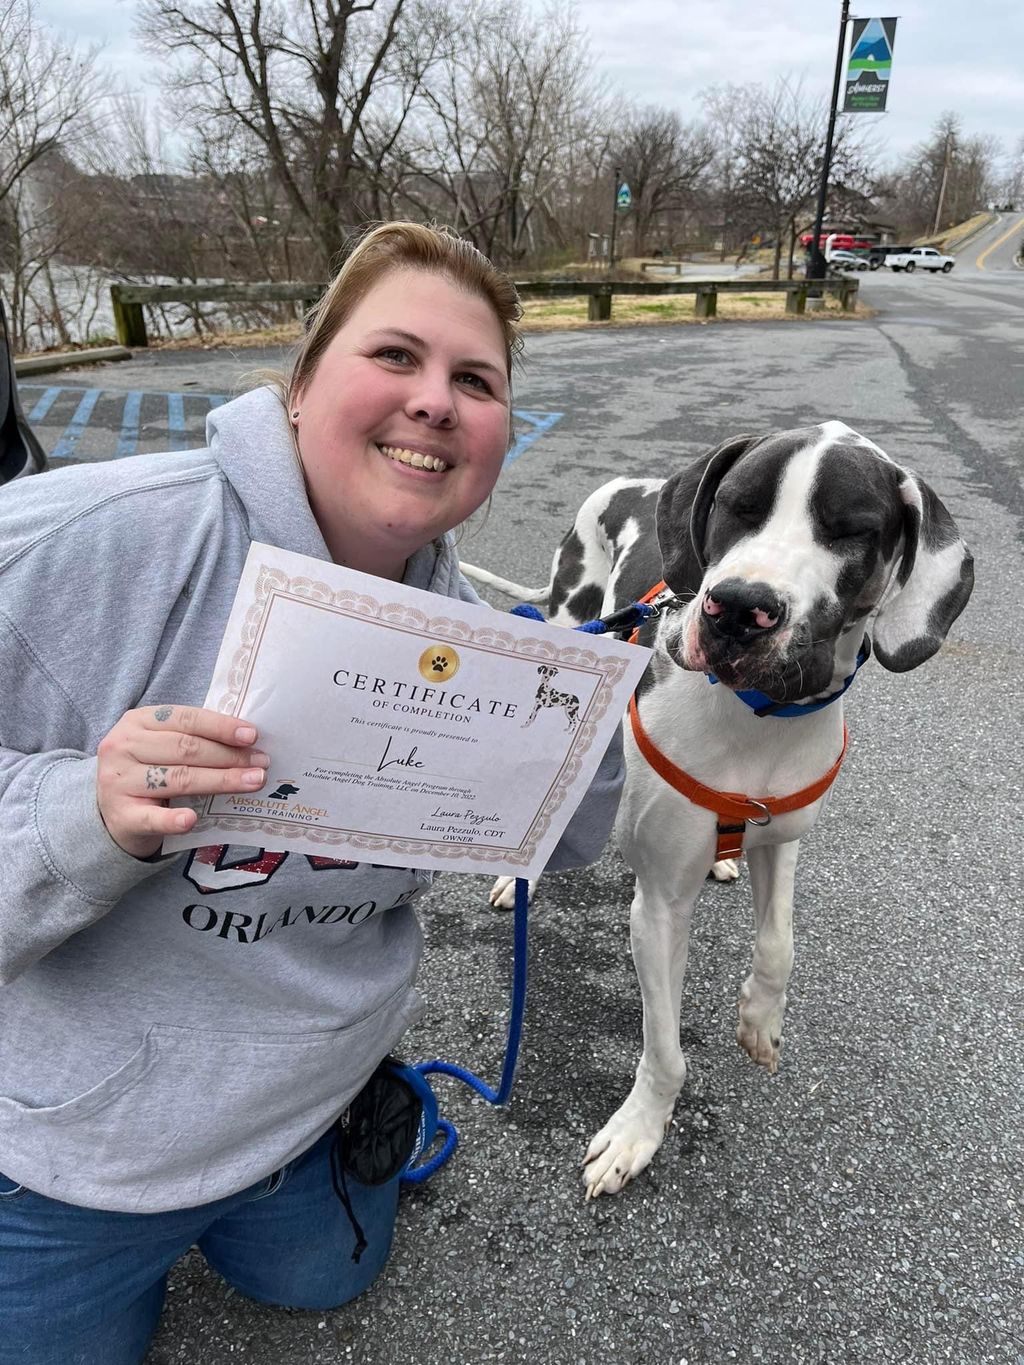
x,y
416,1175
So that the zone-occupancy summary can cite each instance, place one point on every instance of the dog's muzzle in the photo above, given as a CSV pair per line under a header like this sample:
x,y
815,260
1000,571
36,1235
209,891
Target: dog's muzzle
x,y
742,633
740,612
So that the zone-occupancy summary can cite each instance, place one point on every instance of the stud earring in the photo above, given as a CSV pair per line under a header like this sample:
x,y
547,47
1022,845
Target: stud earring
x,y
295,415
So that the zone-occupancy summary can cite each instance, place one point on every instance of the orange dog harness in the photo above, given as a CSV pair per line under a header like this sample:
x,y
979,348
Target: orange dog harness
x,y
732,809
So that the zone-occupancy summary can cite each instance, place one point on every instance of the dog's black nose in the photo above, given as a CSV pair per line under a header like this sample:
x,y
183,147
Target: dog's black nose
x,y
737,608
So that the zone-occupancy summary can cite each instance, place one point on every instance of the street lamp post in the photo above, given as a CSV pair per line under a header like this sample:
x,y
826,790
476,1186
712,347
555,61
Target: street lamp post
x,y
615,214
816,265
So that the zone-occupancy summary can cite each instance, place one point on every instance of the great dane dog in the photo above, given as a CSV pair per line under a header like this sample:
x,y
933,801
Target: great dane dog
x,y
782,551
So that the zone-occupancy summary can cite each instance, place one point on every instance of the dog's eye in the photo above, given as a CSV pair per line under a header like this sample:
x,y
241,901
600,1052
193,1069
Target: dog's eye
x,y
745,512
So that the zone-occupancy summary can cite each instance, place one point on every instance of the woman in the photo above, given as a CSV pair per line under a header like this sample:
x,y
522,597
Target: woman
x,y
169,1075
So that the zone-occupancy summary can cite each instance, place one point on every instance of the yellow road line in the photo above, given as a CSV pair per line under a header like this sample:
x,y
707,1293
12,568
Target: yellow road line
x,y
998,242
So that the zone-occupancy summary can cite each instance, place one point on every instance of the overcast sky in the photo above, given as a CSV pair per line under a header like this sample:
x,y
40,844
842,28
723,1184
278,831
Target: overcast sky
x,y
949,54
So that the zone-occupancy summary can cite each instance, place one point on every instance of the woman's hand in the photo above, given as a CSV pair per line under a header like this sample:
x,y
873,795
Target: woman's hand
x,y
158,752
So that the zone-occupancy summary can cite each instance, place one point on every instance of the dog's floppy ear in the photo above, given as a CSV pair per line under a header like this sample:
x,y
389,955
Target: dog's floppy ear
x,y
932,584
682,515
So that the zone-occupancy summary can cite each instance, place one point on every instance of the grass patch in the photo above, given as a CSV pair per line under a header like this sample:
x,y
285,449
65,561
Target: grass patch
x,y
545,315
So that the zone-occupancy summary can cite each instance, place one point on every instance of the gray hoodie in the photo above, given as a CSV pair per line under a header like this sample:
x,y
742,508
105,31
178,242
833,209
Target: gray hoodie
x,y
173,1031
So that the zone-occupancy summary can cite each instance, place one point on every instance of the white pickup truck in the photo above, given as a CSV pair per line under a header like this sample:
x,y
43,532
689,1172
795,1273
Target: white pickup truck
x,y
920,257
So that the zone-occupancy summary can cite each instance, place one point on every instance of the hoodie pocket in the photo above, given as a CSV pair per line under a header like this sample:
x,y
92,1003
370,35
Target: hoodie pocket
x,y
195,1115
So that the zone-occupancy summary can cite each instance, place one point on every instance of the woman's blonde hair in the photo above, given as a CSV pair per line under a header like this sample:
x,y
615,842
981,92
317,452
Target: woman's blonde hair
x,y
404,246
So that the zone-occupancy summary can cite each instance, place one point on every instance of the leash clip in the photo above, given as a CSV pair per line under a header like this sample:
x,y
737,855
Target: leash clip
x,y
761,806
661,603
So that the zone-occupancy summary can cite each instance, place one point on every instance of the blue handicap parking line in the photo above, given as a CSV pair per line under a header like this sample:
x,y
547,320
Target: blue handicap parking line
x,y
44,404
539,423
128,440
536,423
65,447
176,420
128,437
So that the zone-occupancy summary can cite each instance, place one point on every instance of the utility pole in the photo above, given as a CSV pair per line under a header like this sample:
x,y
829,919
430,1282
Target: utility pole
x,y
816,265
615,212
942,186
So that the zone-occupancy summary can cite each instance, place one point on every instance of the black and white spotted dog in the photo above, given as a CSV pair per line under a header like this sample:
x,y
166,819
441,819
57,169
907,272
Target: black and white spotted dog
x,y
782,550
548,696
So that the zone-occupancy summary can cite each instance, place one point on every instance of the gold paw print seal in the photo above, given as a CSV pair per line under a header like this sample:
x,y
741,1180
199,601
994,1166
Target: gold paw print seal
x,y
438,663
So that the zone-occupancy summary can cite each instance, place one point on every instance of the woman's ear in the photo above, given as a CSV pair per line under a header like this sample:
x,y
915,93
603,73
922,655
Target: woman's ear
x,y
932,584
684,504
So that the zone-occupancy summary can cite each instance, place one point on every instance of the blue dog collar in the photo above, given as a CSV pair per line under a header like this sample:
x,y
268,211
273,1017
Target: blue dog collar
x,y
762,705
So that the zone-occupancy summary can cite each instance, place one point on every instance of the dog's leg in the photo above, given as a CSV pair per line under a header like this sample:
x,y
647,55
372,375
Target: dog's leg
x,y
725,871
659,934
763,995
502,894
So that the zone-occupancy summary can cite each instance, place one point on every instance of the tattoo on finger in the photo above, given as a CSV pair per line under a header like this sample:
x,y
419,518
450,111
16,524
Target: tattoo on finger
x,y
156,777
163,712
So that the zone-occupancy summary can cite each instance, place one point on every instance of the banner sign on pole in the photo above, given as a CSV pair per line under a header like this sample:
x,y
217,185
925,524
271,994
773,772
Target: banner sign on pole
x,y
624,197
870,65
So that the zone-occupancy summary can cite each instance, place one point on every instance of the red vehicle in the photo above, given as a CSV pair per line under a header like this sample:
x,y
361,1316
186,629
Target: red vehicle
x,y
841,241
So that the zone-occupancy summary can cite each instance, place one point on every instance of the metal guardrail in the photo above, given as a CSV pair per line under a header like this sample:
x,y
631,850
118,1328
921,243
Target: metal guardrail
x,y
129,300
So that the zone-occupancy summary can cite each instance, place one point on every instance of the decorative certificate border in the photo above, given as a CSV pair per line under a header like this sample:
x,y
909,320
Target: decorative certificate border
x,y
273,584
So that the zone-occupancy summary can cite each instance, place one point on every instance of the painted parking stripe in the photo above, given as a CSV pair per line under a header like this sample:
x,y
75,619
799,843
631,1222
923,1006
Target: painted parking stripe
x,y
539,423
65,447
44,404
128,440
176,420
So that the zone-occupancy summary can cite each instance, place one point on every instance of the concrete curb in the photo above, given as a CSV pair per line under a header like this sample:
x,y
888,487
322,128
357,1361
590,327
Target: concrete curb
x,y
42,364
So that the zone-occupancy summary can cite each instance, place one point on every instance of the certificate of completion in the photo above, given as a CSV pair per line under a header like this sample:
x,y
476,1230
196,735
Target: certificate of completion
x,y
405,728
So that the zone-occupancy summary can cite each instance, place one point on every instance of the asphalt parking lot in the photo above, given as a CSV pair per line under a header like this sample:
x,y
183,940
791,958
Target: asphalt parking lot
x,y
864,1205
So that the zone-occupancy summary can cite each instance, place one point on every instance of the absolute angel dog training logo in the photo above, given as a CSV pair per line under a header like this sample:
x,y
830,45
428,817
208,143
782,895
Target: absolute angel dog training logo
x,y
277,803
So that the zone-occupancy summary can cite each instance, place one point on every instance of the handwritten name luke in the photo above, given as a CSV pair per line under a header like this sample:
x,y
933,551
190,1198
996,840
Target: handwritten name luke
x,y
410,760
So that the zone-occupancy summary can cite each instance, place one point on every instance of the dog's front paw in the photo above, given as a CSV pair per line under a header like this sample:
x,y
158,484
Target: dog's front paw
x,y
502,894
623,1147
759,1031
726,870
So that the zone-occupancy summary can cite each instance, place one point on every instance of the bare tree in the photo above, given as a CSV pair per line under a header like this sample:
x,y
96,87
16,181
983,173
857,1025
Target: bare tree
x,y
663,160
1011,189
50,92
946,178
782,136
300,77
508,116
724,108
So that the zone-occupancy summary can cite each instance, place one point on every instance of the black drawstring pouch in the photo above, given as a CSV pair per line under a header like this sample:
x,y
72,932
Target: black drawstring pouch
x,y
377,1135
388,1125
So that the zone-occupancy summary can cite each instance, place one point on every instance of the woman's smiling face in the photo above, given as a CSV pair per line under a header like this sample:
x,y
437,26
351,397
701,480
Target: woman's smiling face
x,y
404,426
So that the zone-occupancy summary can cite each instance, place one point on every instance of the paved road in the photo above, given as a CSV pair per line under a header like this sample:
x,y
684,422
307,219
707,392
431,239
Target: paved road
x,y
994,251
865,1204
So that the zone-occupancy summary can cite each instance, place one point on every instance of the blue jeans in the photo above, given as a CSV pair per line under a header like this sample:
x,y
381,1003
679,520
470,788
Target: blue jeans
x,y
79,1286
